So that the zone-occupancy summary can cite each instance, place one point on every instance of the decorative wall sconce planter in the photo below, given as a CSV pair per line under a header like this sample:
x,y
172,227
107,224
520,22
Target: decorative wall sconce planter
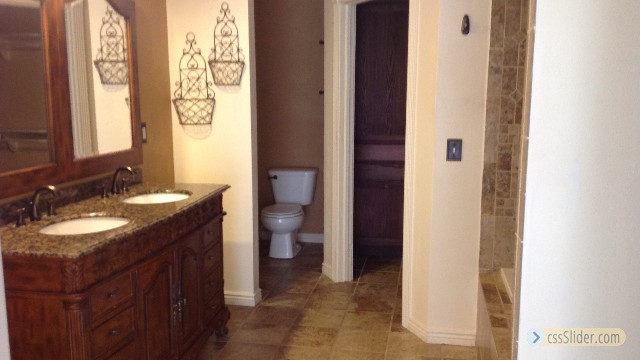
x,y
226,61
111,61
194,98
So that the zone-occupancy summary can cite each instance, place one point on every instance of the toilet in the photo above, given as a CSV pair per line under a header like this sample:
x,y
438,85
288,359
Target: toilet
x,y
292,189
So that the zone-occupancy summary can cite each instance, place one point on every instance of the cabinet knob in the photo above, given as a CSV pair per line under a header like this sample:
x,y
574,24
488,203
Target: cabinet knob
x,y
113,295
115,332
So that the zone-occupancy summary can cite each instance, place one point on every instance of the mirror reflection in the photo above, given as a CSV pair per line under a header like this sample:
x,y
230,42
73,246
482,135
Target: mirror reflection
x,y
101,116
23,112
98,78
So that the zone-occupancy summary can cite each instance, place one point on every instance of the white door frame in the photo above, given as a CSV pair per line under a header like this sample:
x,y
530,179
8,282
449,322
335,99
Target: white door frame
x,y
341,153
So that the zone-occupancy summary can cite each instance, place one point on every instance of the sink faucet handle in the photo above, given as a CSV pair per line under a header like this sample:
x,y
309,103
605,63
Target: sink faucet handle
x,y
20,221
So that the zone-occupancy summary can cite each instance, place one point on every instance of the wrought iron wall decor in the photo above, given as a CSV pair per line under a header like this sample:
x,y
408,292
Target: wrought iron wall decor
x,y
194,98
226,60
111,61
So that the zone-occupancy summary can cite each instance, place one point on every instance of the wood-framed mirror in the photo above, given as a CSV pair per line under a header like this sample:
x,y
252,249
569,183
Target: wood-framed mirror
x,y
74,98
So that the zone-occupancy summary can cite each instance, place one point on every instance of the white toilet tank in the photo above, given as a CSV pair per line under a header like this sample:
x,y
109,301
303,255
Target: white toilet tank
x,y
293,185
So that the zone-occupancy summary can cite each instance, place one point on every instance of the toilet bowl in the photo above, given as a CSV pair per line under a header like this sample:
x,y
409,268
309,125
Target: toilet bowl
x,y
292,189
283,220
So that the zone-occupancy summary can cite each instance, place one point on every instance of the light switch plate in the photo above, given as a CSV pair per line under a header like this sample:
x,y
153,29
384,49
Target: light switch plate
x,y
144,132
454,149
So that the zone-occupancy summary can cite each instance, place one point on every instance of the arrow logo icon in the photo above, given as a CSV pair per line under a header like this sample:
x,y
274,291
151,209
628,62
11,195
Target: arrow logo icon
x,y
535,337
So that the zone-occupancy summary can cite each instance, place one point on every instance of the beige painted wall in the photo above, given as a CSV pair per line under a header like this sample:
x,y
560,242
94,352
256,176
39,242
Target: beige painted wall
x,y
454,199
228,154
153,77
289,63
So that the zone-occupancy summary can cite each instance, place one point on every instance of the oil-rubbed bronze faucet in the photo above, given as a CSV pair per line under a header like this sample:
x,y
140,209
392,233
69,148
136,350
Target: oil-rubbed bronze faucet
x,y
34,214
115,188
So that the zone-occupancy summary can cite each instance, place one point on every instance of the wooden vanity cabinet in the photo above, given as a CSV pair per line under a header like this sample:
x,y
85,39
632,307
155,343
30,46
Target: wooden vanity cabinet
x,y
172,296
164,306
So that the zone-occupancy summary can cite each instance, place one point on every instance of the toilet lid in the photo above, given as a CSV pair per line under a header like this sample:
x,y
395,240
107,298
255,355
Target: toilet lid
x,y
282,210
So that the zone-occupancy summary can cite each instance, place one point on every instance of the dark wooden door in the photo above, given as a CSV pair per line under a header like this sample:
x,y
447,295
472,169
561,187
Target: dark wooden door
x,y
156,308
380,121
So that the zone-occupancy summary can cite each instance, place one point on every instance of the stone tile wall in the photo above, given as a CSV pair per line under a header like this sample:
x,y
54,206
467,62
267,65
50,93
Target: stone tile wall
x,y
507,55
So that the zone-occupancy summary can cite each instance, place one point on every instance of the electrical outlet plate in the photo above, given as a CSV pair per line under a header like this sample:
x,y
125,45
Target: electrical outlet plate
x,y
454,149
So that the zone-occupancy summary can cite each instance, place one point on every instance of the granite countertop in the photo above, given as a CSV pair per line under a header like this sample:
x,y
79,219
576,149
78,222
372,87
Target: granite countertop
x,y
27,241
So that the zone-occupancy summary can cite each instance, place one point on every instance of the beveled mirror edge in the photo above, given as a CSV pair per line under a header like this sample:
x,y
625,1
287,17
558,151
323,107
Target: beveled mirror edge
x,y
63,167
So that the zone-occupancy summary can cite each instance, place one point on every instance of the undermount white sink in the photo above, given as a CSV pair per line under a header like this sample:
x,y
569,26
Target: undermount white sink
x,y
156,198
84,225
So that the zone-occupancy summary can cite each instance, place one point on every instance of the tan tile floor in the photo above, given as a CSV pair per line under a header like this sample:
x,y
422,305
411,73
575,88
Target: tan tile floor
x,y
305,315
500,310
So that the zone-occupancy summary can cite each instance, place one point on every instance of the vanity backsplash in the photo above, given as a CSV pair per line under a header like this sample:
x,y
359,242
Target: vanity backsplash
x,y
67,194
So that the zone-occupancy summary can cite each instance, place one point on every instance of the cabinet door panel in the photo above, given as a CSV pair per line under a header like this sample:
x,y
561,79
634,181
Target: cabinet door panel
x,y
156,312
190,320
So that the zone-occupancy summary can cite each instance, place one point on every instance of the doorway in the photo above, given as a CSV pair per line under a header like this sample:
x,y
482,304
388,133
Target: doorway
x,y
424,165
379,127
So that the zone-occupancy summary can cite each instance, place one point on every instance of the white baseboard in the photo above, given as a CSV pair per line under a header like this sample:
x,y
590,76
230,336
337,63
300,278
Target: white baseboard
x,y
441,337
326,270
242,298
314,238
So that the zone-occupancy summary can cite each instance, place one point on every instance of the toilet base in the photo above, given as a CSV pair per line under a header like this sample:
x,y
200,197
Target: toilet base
x,y
284,246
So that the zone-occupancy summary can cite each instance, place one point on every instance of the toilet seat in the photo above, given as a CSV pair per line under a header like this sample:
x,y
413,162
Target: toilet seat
x,y
282,211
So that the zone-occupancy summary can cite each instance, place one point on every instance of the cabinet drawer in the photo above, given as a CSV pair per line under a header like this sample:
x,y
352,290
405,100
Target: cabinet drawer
x,y
212,258
214,305
114,293
112,332
213,283
128,352
212,233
